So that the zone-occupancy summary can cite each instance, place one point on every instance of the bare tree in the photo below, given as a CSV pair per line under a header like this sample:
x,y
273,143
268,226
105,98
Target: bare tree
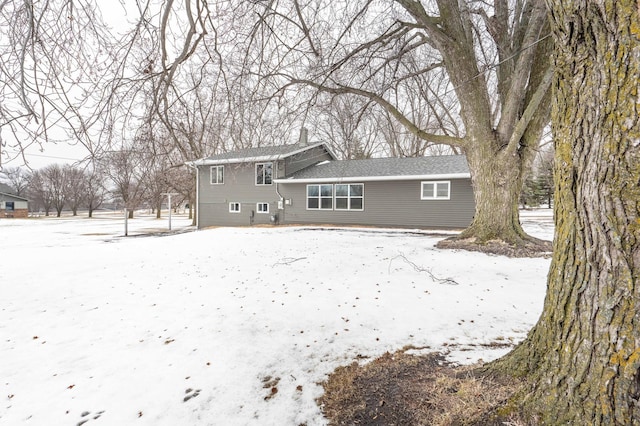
x,y
492,59
126,170
181,181
75,195
56,182
157,183
54,59
349,125
95,190
18,179
473,75
39,192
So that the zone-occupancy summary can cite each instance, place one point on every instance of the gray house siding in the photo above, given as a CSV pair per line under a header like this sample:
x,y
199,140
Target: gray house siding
x,y
388,203
305,159
239,187
392,189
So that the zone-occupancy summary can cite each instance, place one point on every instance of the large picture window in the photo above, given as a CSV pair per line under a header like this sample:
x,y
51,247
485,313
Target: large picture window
x,y
264,173
349,196
217,175
320,197
436,190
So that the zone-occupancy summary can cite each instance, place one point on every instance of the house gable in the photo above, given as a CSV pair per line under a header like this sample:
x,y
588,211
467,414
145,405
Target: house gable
x,y
238,188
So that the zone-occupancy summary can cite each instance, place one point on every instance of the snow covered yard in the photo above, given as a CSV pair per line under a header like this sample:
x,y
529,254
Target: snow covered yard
x,y
233,326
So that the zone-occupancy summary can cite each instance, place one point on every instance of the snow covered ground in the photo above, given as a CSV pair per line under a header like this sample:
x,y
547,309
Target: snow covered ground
x,y
233,326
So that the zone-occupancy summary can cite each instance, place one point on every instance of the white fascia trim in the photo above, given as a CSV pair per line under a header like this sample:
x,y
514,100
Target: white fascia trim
x,y
375,178
258,159
306,148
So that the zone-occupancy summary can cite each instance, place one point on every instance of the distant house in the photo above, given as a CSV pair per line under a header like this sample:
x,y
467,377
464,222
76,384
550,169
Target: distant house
x,y
306,184
12,205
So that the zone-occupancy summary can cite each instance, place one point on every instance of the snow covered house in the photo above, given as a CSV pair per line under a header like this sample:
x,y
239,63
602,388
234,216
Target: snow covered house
x,y
305,184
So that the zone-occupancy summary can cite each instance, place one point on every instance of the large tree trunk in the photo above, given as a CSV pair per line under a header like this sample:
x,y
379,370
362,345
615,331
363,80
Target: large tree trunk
x,y
583,356
497,184
497,177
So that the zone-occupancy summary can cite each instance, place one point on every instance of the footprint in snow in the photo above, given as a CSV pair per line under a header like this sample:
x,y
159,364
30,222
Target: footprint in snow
x,y
272,385
190,393
86,416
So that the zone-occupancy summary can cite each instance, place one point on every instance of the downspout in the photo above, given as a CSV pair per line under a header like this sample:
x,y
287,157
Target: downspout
x,y
281,199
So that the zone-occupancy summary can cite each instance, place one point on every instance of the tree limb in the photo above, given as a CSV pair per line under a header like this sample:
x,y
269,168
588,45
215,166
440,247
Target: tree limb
x,y
529,113
417,268
412,127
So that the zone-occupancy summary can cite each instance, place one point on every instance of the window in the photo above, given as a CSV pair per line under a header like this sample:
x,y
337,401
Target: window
x,y
262,207
264,173
319,197
436,190
9,206
350,197
217,175
234,207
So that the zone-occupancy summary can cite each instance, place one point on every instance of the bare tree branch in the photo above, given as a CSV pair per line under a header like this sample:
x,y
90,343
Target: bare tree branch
x,y
434,278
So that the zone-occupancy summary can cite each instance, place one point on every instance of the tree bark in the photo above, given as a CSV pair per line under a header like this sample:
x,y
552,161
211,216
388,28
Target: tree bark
x,y
583,356
497,184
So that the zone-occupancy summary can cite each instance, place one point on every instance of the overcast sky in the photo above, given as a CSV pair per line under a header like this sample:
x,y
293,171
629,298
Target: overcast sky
x,y
37,157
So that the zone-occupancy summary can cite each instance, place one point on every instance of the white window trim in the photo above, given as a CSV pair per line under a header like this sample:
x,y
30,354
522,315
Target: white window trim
x,y
348,197
435,190
211,175
320,197
233,204
255,174
262,211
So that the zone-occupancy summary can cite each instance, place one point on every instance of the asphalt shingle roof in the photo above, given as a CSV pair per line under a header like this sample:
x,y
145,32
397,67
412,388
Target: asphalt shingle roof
x,y
385,167
263,153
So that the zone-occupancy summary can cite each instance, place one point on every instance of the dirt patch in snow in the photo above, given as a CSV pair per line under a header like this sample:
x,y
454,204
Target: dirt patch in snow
x,y
538,248
403,389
